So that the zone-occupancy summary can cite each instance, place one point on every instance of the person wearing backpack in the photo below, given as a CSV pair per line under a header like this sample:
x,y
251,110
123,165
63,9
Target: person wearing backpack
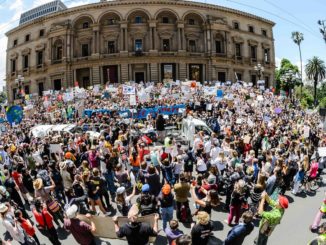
x,y
181,190
189,161
146,202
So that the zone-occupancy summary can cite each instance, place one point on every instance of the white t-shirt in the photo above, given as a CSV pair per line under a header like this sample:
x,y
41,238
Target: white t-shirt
x,y
201,166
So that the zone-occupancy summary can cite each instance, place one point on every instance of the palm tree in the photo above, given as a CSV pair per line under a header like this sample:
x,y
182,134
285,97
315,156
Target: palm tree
x,y
297,38
316,71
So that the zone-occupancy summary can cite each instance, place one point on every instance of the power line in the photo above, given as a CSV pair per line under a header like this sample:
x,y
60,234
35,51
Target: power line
x,y
289,13
278,16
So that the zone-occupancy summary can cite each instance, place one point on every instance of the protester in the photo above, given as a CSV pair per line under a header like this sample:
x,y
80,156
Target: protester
x,y
238,233
270,218
201,231
81,231
137,233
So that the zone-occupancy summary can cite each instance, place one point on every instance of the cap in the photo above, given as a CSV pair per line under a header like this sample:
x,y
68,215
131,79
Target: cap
x,y
121,190
72,211
145,188
211,179
283,201
68,155
3,208
166,189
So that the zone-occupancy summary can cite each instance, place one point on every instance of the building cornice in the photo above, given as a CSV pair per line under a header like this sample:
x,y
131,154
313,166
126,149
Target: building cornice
x,y
93,6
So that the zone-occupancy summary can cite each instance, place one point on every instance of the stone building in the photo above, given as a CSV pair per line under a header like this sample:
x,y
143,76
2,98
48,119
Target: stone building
x,y
139,40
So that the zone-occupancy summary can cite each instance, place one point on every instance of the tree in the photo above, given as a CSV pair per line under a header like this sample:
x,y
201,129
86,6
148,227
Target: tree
x,y
316,71
297,38
285,67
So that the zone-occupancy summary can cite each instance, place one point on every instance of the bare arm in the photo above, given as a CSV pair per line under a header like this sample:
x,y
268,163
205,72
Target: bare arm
x,y
195,198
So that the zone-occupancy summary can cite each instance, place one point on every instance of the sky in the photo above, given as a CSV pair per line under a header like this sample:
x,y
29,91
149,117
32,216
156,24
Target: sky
x,y
289,16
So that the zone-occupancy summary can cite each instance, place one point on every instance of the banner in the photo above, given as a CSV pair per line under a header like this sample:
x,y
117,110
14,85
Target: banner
x,y
142,113
219,93
105,225
127,90
15,114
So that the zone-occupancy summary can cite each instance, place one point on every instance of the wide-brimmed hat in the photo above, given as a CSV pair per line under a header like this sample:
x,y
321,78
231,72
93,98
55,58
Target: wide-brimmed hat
x,y
3,208
38,184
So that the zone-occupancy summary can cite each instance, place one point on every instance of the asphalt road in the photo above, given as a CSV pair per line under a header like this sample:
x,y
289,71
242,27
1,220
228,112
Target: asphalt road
x,y
294,228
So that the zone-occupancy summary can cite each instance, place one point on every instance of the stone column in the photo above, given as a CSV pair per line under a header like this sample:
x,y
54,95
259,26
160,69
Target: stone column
x,y
179,39
184,45
151,43
155,38
121,40
126,40
94,42
209,42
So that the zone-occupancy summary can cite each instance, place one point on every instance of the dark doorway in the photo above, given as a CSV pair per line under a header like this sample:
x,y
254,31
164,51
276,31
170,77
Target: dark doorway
x,y
139,76
195,72
86,82
40,89
110,74
221,76
57,84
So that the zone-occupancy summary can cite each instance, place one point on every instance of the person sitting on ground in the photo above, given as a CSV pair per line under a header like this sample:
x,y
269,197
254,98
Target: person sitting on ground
x,y
172,232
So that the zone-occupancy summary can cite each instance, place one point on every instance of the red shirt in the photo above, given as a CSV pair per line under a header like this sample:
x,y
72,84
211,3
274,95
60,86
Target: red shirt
x,y
40,220
16,176
27,227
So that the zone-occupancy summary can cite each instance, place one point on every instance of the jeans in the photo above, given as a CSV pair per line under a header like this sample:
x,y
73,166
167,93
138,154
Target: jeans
x,y
167,215
109,176
262,239
235,210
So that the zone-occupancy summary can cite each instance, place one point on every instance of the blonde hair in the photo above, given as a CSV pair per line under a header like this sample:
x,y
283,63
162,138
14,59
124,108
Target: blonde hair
x,y
203,218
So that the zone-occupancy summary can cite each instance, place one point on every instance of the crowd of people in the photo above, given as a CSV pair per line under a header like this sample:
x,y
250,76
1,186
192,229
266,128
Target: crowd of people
x,y
261,146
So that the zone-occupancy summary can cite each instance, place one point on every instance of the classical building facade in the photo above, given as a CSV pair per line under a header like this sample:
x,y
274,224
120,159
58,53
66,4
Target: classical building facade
x,y
139,40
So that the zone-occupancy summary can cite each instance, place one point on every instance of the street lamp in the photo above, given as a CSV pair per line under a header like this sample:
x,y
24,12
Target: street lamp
x,y
259,69
19,80
322,28
289,77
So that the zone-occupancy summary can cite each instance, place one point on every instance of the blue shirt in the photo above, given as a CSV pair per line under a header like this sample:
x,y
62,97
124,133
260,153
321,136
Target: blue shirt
x,y
238,233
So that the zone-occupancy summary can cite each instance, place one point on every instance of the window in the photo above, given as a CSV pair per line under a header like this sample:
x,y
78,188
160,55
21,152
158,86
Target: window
x,y
191,22
138,45
251,29
13,65
166,45
27,38
40,89
192,46
239,76
238,50
253,79
26,89
111,21
85,25
219,47
165,20
15,43
267,81
253,53
111,47
42,33
14,93
138,20
59,53
25,61
236,25
264,33
84,50
39,58
266,55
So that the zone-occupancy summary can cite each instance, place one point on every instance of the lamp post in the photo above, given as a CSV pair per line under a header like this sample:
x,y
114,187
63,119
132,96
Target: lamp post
x,y
19,80
259,69
322,28
289,77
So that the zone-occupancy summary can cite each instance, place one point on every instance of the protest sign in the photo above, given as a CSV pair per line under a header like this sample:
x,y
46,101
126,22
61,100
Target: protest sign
x,y
322,151
15,114
278,110
127,90
133,100
246,139
219,93
55,148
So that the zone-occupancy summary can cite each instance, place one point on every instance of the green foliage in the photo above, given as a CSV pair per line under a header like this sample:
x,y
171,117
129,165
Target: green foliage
x,y
322,103
285,67
306,100
3,97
